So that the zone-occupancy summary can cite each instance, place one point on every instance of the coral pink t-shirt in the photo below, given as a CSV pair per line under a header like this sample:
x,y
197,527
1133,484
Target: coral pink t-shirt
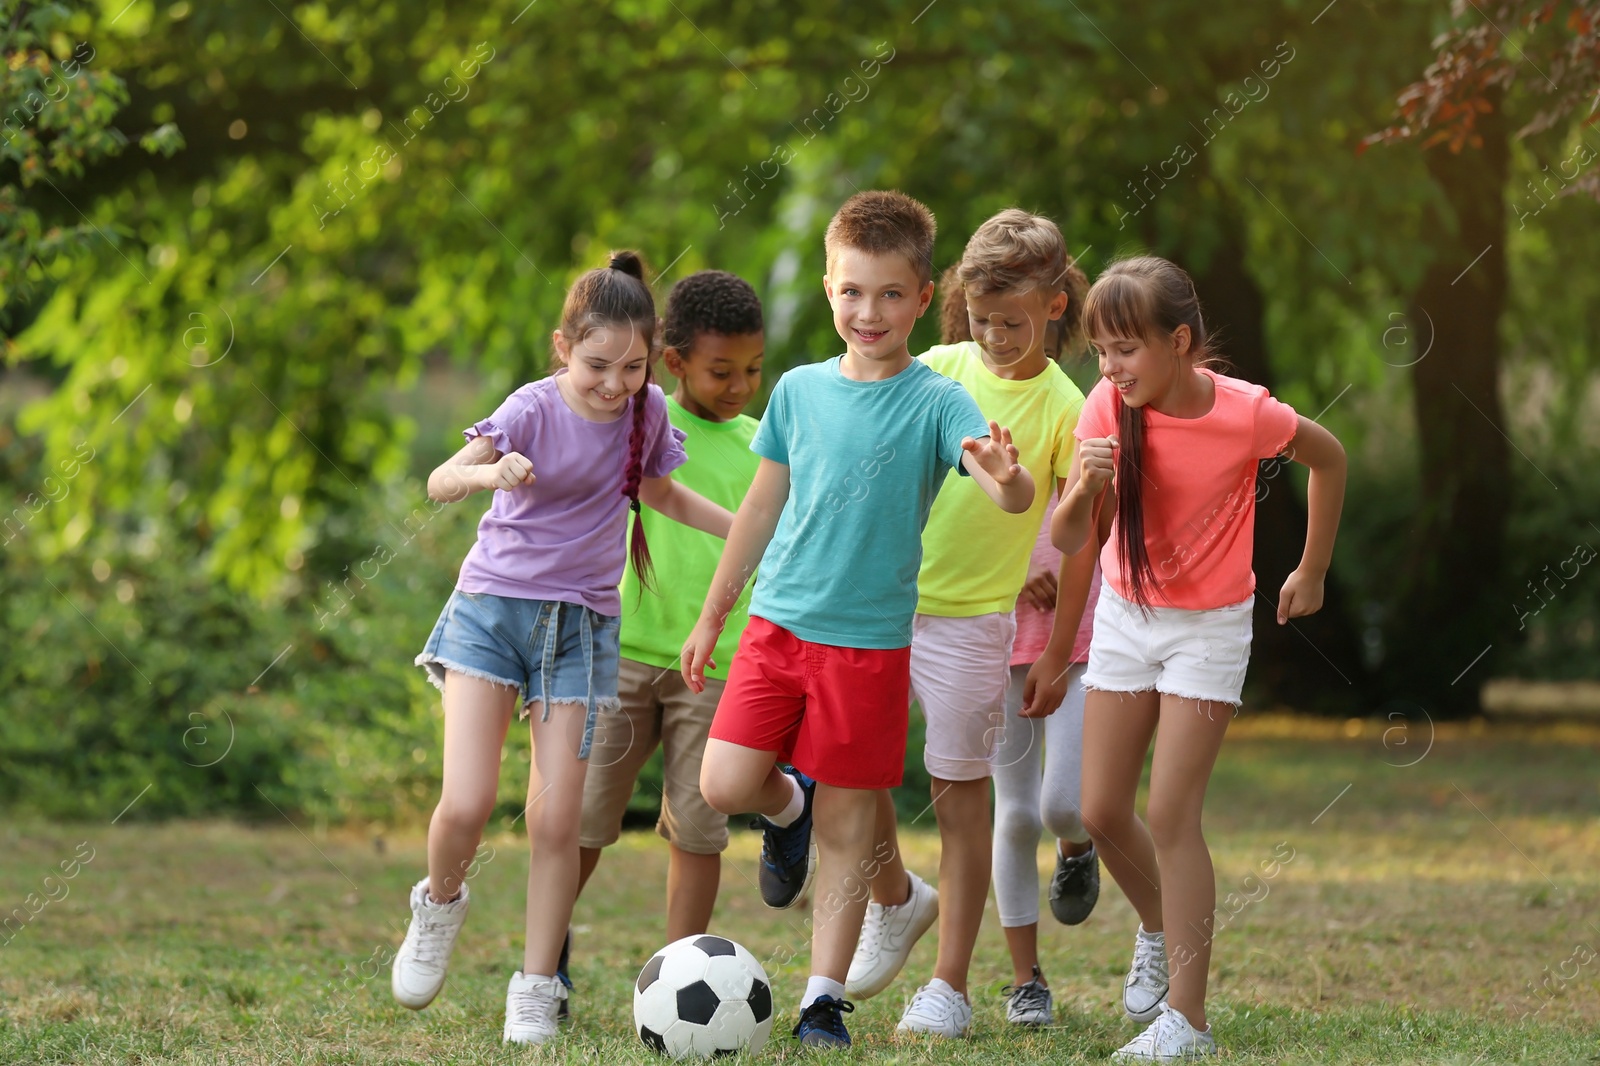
x,y
1034,625
1199,490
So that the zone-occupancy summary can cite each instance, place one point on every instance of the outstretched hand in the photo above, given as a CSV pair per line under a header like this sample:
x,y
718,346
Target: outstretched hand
x,y
995,453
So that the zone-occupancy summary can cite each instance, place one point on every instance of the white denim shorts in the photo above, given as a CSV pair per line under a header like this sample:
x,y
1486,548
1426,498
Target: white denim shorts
x,y
960,668
1197,655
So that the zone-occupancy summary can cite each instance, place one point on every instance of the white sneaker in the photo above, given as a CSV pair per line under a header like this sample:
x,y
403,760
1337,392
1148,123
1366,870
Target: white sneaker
x,y
532,1006
887,936
937,1009
1169,1038
419,966
1144,993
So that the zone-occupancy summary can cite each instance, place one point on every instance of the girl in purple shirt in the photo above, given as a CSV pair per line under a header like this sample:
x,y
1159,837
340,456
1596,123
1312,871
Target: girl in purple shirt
x,y
533,620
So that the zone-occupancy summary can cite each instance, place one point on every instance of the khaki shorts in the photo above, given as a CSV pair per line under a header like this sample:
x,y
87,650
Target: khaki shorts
x,y
657,708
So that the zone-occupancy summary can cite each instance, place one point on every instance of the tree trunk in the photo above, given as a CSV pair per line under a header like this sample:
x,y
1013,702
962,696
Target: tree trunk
x,y
1454,603
1313,662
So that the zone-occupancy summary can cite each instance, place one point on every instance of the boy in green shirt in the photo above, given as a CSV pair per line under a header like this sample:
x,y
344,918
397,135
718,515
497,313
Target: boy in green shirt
x,y
713,346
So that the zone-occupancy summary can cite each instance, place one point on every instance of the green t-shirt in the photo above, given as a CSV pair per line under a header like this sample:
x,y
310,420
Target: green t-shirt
x,y
655,625
958,578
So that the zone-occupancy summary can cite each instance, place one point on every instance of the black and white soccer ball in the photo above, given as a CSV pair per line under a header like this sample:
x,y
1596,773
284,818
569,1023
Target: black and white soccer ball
x,y
703,996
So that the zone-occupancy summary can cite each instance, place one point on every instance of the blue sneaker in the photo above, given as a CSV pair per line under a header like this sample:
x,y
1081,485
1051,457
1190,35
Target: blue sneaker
x,y
562,1014
786,852
822,1023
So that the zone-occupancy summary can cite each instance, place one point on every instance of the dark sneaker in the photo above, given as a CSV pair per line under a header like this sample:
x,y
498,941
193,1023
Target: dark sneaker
x,y
786,852
1076,886
822,1023
1030,1003
562,1013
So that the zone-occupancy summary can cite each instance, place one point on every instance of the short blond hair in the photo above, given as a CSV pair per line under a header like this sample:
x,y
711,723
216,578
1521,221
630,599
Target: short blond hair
x,y
1016,251
884,222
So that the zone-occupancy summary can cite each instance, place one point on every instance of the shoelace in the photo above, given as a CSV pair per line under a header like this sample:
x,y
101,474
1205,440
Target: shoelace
x,y
531,1006
431,937
827,1014
789,843
1149,963
1029,997
872,930
1064,872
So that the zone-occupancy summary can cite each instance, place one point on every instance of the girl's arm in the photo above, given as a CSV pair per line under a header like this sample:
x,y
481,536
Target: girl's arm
x,y
1086,481
1046,682
476,467
753,526
682,504
1322,452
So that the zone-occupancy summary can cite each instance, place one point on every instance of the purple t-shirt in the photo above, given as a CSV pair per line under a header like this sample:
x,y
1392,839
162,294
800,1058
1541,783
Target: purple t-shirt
x,y
565,536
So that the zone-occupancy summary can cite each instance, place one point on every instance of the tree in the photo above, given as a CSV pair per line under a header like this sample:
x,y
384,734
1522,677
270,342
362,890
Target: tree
x,y
1460,112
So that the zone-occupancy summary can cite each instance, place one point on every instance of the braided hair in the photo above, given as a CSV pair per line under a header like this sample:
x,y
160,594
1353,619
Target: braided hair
x,y
616,295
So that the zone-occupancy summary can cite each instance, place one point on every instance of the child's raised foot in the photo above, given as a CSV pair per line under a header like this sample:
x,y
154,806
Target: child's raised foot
x,y
420,964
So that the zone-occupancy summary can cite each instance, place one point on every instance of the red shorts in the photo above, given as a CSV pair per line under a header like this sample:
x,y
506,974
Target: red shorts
x,y
838,715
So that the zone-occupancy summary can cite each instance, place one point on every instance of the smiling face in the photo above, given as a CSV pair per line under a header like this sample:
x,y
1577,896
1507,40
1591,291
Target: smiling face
x,y
719,375
1012,327
876,301
605,366
1144,371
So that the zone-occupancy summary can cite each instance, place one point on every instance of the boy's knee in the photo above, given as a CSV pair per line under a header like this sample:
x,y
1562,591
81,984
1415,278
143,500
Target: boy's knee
x,y
718,796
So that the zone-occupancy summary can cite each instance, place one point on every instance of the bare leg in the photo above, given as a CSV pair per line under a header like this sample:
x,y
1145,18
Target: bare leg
x,y
962,808
843,826
476,716
588,859
1023,941
1069,850
891,885
692,882
1117,727
555,801
1186,750
735,779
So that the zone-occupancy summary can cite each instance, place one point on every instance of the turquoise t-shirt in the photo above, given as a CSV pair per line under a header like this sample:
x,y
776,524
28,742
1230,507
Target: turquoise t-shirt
x,y
865,459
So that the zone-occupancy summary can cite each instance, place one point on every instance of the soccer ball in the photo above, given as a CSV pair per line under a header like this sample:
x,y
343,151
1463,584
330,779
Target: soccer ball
x,y
703,996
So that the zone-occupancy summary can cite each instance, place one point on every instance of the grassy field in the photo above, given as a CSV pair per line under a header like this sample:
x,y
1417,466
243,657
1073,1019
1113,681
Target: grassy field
x,y
1442,905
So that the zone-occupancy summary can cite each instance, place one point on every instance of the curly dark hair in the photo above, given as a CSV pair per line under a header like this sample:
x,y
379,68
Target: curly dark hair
x,y
710,301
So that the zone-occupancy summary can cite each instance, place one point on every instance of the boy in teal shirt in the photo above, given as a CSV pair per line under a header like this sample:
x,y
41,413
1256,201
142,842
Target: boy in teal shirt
x,y
853,451
713,346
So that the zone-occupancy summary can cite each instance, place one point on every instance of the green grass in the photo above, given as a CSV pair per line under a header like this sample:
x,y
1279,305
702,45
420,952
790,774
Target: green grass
x,y
1416,916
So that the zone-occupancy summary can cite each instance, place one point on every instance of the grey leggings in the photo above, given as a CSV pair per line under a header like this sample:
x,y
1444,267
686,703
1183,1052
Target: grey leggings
x,y
1028,801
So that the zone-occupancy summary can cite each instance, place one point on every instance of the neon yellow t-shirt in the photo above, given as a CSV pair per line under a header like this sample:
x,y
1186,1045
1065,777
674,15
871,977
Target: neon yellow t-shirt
x,y
974,555
655,625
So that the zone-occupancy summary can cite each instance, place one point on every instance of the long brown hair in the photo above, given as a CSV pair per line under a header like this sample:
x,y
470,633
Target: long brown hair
x,y
616,295
1146,297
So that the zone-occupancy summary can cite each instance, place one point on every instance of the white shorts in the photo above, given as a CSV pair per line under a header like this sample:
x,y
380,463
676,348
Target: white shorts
x,y
1197,655
960,668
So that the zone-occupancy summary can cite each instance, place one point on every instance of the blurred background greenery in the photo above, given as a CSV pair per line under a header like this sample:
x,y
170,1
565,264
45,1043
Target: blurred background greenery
x,y
260,262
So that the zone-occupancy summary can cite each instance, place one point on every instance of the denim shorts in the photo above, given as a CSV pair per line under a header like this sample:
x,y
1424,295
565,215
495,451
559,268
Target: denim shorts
x,y
550,652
